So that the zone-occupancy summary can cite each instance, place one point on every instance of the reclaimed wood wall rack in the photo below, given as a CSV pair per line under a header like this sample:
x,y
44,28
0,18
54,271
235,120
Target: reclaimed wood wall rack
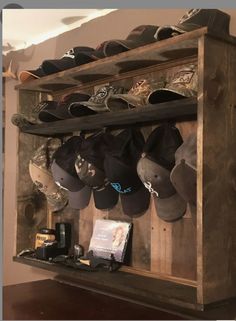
x,y
191,262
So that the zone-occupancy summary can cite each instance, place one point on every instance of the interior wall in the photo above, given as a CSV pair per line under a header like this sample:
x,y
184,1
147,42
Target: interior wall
x,y
115,25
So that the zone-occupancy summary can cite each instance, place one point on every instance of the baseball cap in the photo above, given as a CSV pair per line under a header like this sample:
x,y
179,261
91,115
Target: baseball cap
x,y
40,173
90,169
120,168
74,57
137,96
184,174
154,169
28,75
65,176
182,84
139,36
215,19
68,107
99,102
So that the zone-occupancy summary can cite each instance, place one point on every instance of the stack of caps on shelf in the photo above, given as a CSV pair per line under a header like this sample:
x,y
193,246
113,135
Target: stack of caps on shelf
x,y
119,166
182,83
78,56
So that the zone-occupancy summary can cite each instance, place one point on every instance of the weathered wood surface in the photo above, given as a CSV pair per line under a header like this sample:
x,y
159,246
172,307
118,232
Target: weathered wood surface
x,y
216,208
150,113
135,287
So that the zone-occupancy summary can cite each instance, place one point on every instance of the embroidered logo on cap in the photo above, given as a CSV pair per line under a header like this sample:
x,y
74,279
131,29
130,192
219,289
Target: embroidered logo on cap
x,y
119,189
148,185
191,13
69,54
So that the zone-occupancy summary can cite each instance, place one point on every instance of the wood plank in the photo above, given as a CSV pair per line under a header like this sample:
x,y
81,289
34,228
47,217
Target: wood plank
x,y
163,111
161,244
216,219
184,250
137,287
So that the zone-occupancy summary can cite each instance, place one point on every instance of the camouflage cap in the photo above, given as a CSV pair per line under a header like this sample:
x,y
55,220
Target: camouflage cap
x,y
40,173
183,83
98,101
137,96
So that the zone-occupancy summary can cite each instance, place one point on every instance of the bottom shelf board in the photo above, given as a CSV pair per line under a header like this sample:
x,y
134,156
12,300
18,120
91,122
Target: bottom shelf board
x,y
126,284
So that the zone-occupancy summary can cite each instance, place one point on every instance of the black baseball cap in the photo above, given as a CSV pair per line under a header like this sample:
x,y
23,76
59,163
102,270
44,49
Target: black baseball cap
x,y
64,174
68,107
139,36
184,174
90,169
74,57
154,169
120,168
214,19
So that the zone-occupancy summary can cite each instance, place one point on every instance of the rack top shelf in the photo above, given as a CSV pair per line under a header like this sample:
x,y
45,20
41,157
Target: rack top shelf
x,y
102,70
99,71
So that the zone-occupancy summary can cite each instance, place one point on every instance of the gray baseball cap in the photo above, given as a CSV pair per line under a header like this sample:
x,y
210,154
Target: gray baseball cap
x,y
154,169
184,174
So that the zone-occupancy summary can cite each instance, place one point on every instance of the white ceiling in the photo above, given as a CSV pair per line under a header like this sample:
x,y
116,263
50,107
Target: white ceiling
x,y
42,24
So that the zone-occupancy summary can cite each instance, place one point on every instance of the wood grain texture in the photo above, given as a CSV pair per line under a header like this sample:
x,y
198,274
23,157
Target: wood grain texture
x,y
216,219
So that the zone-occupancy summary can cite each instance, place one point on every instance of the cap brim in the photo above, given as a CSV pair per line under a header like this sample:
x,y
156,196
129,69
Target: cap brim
x,y
95,107
79,110
79,200
116,46
125,100
47,113
137,203
167,94
87,57
64,179
165,32
170,209
28,75
184,179
106,198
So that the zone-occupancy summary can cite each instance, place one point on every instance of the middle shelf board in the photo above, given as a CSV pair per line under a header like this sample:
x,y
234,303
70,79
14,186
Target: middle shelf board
x,y
172,110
